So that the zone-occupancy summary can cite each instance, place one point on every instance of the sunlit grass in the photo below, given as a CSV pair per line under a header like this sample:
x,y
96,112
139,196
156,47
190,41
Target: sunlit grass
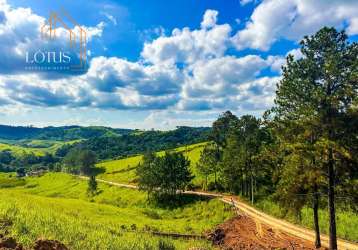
x,y
123,170
347,221
38,147
56,206
18,150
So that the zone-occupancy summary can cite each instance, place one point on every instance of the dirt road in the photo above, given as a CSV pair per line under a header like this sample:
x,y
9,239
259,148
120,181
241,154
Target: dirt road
x,y
259,217
285,226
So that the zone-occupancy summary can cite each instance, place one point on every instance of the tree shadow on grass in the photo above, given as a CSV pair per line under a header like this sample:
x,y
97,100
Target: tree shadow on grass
x,y
176,201
98,170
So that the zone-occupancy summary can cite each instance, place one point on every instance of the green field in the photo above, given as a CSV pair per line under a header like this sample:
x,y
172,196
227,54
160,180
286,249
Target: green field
x,y
56,206
19,150
123,170
38,147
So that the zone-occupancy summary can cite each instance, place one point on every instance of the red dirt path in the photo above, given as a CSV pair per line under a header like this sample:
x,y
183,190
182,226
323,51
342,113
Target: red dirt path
x,y
243,232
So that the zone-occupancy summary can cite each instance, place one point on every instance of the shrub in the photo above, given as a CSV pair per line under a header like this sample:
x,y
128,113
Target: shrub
x,y
165,245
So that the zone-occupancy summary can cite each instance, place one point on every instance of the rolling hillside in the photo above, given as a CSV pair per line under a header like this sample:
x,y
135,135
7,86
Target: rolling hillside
x,y
55,206
123,170
38,147
107,143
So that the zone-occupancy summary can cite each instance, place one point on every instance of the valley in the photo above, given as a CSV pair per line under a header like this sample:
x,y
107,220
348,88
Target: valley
x,y
120,216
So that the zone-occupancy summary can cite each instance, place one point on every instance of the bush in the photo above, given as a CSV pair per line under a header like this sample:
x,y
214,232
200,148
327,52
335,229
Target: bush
x,y
165,245
152,214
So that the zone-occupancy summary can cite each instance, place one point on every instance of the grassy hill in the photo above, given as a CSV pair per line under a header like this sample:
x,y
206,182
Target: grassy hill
x,y
38,147
107,143
123,170
18,150
55,206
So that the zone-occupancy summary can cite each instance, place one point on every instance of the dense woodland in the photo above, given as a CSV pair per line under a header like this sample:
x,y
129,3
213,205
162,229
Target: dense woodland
x,y
136,143
66,133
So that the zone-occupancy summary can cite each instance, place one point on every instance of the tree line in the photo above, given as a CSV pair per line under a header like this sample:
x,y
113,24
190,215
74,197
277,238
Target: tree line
x,y
301,152
304,149
9,162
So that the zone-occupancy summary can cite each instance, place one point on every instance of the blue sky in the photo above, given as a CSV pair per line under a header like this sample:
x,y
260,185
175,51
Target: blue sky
x,y
158,64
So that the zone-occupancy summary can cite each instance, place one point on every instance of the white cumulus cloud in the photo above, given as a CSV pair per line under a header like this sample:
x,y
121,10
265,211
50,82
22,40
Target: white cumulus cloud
x,y
209,19
292,19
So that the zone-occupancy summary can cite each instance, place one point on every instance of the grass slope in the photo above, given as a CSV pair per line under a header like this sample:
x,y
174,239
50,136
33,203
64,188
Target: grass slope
x,y
347,220
19,150
123,170
38,147
55,206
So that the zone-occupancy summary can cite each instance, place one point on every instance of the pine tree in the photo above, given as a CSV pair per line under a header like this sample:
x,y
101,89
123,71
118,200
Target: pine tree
x,y
208,163
322,86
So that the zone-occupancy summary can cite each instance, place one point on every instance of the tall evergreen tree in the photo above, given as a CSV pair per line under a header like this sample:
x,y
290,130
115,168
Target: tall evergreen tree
x,y
222,127
208,163
323,86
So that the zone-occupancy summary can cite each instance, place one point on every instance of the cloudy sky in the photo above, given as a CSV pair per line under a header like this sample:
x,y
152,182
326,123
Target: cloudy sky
x,y
158,63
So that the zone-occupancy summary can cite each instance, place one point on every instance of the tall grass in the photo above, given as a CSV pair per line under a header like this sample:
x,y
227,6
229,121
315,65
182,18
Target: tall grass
x,y
9,180
347,221
55,206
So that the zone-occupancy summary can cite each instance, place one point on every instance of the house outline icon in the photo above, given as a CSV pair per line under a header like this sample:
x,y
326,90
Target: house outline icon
x,y
76,39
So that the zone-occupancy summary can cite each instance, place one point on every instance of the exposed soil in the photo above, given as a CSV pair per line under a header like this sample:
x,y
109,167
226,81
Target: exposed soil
x,y
242,232
9,243
43,244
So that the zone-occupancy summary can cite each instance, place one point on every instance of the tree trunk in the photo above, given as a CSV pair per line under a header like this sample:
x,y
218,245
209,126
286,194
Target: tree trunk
x,y
315,217
252,189
215,181
332,211
331,174
247,188
255,185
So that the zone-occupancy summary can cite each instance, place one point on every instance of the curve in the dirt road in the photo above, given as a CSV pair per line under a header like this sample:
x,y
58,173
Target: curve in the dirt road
x,y
287,227
277,224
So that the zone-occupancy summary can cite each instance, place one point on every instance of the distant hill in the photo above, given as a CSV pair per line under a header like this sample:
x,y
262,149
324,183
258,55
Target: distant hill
x,y
65,133
137,143
106,142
